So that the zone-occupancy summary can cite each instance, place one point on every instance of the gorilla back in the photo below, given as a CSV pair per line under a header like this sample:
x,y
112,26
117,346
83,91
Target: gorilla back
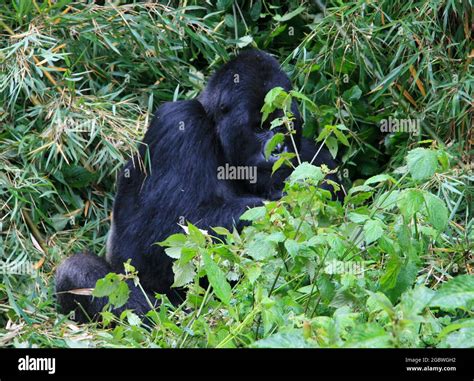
x,y
184,147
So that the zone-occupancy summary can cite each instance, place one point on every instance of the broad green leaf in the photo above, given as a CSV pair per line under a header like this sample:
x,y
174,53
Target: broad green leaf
x,y
404,237
378,301
464,338
261,248
359,198
458,324
272,143
388,245
436,211
369,335
327,130
253,271
387,200
217,279
292,247
114,287
343,297
285,157
242,42
310,105
187,253
341,127
410,202
256,10
106,285
254,214
223,4
273,99
406,278
276,166
277,122
341,137
306,171
196,235
119,297
456,293
360,188
357,217
379,179
271,317
353,93
221,231
422,163
183,273
443,158
174,240
333,147
133,319
414,301
173,252
393,267
276,237
373,230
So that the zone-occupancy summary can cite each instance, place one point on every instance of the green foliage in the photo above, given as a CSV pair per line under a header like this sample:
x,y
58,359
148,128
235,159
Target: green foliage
x,y
309,277
217,279
422,163
390,267
114,288
457,293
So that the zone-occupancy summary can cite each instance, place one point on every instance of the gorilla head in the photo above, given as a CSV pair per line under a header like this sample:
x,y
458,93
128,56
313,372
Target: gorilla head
x,y
233,100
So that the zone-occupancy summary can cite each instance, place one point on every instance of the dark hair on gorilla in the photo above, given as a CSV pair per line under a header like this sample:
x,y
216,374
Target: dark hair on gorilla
x,y
187,142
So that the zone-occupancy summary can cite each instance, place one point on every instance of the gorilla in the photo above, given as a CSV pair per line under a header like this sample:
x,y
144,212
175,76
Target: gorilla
x,y
184,147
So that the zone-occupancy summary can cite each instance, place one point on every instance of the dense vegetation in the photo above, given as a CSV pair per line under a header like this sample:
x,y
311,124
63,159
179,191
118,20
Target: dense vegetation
x,y
386,85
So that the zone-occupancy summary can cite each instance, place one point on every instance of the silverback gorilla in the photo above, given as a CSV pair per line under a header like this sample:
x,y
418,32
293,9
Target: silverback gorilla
x,y
187,142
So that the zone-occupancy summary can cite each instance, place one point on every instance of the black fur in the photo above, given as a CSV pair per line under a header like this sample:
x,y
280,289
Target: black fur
x,y
187,142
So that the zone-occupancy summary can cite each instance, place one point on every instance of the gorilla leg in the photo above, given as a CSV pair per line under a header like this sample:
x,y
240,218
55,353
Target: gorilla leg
x,y
81,271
